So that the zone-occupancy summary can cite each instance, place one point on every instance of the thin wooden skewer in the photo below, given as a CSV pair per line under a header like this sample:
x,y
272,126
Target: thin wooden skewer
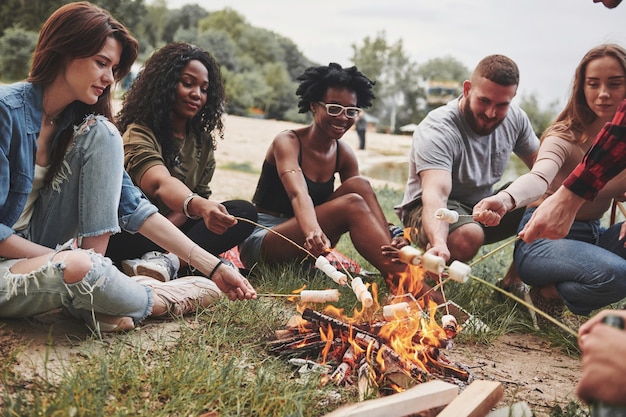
x,y
277,295
529,306
504,245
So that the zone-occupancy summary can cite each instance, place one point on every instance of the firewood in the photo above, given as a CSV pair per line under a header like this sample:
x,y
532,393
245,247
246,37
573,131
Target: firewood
x,y
420,398
475,401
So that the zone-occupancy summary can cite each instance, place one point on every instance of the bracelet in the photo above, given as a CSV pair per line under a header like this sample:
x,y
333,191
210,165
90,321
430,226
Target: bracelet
x,y
215,269
395,231
186,208
192,269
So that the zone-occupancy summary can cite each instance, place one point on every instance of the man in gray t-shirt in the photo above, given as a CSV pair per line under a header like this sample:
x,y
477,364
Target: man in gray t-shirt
x,y
459,152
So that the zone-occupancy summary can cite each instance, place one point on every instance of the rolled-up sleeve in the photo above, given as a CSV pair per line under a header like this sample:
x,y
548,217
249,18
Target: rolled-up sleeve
x,y
134,208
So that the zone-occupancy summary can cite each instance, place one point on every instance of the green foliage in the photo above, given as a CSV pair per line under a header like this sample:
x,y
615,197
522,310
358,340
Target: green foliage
x,y
445,68
16,48
539,118
397,88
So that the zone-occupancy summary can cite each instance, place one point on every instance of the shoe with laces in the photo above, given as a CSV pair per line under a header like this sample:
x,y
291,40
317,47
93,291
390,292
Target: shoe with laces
x,y
183,295
160,266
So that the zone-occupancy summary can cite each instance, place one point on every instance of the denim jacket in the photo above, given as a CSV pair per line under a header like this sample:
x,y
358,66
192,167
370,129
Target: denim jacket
x,y
20,123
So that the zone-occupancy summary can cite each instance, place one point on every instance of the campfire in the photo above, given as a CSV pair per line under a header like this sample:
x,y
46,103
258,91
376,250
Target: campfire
x,y
380,349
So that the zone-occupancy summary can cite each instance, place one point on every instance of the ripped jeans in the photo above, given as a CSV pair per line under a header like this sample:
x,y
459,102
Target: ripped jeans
x,y
81,201
104,289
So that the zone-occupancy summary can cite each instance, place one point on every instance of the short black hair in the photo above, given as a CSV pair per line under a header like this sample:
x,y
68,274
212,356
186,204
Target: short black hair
x,y
315,81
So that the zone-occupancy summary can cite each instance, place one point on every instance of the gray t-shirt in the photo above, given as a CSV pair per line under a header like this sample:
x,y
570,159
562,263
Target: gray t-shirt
x,y
444,140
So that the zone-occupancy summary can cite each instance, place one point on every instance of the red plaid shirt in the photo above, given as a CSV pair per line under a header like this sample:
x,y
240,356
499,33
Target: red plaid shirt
x,y
604,160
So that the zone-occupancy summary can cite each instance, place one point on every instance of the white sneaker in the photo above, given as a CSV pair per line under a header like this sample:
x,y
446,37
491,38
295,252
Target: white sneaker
x,y
184,295
160,266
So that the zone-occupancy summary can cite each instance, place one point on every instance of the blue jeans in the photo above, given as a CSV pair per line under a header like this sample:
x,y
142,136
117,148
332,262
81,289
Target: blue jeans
x,y
83,197
81,201
588,266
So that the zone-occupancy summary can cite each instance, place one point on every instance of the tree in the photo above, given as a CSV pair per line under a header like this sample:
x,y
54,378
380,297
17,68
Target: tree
x,y
16,48
395,76
539,118
445,68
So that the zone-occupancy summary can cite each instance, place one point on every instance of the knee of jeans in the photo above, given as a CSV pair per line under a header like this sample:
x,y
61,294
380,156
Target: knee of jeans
x,y
22,283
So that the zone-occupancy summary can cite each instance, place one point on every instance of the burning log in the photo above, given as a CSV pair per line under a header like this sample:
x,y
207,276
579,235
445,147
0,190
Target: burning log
x,y
319,319
366,353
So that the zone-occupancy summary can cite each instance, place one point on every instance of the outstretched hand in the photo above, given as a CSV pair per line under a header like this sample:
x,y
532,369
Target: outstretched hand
x,y
554,216
217,219
233,284
392,249
317,242
489,211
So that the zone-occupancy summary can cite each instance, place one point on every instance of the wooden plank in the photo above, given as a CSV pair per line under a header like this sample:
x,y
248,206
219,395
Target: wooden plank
x,y
519,409
476,400
414,400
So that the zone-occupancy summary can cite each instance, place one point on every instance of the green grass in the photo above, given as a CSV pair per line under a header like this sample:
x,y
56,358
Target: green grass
x,y
218,361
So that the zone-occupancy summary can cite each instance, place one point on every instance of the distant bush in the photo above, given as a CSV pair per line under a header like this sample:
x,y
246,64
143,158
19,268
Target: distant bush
x,y
16,48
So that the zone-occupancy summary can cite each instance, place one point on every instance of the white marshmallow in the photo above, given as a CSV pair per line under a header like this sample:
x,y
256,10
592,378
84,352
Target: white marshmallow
x,y
459,272
319,296
339,277
410,255
396,311
433,263
447,215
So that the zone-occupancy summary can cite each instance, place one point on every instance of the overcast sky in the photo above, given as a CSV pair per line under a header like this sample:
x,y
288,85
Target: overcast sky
x,y
547,38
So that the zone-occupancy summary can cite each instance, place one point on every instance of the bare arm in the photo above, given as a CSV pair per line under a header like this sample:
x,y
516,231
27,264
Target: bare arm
x,y
285,155
158,183
16,247
436,186
162,232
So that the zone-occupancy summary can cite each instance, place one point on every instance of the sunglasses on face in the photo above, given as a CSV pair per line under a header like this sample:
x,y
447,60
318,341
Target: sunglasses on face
x,y
337,109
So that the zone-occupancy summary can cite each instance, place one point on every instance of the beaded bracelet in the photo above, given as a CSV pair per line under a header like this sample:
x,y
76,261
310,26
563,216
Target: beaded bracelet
x,y
186,208
215,268
395,231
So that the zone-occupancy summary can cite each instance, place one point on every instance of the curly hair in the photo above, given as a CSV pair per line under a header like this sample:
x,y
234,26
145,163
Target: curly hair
x,y
315,81
151,98
577,115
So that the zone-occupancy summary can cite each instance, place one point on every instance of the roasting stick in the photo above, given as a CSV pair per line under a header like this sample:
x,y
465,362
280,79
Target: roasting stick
x,y
527,305
320,262
358,287
504,245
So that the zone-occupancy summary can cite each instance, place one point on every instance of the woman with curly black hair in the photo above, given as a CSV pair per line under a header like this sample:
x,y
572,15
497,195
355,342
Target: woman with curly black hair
x,y
171,119
296,193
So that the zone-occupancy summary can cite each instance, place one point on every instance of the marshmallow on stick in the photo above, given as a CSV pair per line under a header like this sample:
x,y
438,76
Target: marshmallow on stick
x,y
447,215
396,311
319,296
433,263
361,292
323,265
410,255
459,272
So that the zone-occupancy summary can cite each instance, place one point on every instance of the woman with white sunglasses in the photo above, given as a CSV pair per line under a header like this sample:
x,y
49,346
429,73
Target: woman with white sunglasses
x,y
296,194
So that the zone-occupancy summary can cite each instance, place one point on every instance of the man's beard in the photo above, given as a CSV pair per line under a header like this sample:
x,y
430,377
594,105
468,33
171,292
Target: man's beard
x,y
477,124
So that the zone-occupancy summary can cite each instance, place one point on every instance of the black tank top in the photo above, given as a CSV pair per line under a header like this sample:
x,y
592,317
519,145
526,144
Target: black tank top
x,y
271,195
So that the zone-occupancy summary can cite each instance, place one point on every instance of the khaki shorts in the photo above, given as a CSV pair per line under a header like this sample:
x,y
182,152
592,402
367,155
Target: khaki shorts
x,y
507,227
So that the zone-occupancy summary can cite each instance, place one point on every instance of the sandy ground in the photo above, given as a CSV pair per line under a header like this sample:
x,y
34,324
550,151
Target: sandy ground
x,y
527,366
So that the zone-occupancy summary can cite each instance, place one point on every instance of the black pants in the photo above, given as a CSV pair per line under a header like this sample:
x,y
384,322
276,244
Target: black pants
x,y
129,246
